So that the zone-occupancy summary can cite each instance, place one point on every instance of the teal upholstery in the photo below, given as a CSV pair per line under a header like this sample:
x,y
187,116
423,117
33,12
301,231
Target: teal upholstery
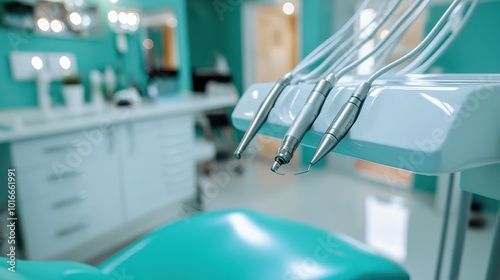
x,y
32,270
235,244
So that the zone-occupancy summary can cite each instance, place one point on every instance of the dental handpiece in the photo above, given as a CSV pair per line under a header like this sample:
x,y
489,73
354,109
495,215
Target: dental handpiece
x,y
262,114
342,123
304,120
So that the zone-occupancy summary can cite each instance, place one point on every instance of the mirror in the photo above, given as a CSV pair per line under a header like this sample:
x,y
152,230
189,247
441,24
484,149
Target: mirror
x,y
160,48
54,18
160,44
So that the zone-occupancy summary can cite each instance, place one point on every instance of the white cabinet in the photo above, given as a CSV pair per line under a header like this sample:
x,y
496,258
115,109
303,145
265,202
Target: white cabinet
x,y
75,187
157,158
61,208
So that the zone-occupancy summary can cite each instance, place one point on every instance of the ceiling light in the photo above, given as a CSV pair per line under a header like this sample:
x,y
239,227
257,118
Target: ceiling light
x,y
75,18
384,33
132,19
113,16
148,44
37,62
288,8
43,24
172,22
86,20
56,25
122,17
65,62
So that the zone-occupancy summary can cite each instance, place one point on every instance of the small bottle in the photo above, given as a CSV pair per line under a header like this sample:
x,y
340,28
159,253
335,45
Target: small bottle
x,y
97,98
109,82
43,87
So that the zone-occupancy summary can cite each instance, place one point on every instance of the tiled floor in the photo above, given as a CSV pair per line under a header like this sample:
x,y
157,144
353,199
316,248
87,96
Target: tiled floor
x,y
404,225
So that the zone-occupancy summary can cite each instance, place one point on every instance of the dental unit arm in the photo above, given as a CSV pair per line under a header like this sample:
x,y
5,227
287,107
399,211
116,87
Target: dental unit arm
x,y
348,115
309,112
266,106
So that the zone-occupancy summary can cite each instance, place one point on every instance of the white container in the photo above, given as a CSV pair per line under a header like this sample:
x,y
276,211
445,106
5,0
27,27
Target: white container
x,y
73,97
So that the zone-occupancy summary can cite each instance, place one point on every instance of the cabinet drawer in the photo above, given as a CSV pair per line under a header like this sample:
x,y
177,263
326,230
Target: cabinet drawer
x,y
69,149
55,223
178,174
166,127
50,179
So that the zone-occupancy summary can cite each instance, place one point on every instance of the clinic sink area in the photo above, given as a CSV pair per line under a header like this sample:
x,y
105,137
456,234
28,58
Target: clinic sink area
x,y
27,118
27,123
18,120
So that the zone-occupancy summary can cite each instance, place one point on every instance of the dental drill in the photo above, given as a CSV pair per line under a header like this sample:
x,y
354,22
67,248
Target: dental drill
x,y
349,112
311,109
263,111
303,122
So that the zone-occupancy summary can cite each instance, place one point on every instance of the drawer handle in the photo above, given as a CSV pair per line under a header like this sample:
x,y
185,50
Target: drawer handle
x,y
175,152
174,161
175,183
174,141
131,138
174,171
83,224
62,148
111,144
173,134
65,175
55,149
81,196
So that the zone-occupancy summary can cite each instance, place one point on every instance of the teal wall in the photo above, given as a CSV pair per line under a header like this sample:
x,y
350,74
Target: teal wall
x,y
317,23
91,53
232,46
213,31
475,50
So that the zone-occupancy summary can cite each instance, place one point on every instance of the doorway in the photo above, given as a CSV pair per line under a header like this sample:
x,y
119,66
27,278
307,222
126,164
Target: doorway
x,y
271,47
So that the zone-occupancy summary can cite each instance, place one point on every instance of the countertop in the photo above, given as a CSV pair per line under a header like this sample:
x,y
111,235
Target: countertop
x,y
25,124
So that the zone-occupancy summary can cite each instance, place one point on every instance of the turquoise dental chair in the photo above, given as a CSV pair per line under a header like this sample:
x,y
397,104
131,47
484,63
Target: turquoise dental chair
x,y
233,244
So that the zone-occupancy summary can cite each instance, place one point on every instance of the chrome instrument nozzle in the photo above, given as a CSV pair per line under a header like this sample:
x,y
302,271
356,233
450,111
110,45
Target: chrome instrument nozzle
x,y
262,114
275,167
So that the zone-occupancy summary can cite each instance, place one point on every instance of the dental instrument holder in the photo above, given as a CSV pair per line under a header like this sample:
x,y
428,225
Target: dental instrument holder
x,y
262,114
425,124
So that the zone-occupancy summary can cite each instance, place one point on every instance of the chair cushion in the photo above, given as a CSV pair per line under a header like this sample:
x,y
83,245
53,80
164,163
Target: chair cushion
x,y
49,270
242,244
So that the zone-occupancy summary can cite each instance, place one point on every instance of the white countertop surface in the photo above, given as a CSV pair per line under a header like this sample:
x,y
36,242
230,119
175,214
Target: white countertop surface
x,y
25,124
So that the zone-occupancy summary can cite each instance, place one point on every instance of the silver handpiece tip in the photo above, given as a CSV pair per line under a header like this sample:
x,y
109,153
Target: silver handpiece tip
x,y
237,155
305,171
275,167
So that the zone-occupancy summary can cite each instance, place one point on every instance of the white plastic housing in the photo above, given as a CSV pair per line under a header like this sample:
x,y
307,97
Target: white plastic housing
x,y
427,124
